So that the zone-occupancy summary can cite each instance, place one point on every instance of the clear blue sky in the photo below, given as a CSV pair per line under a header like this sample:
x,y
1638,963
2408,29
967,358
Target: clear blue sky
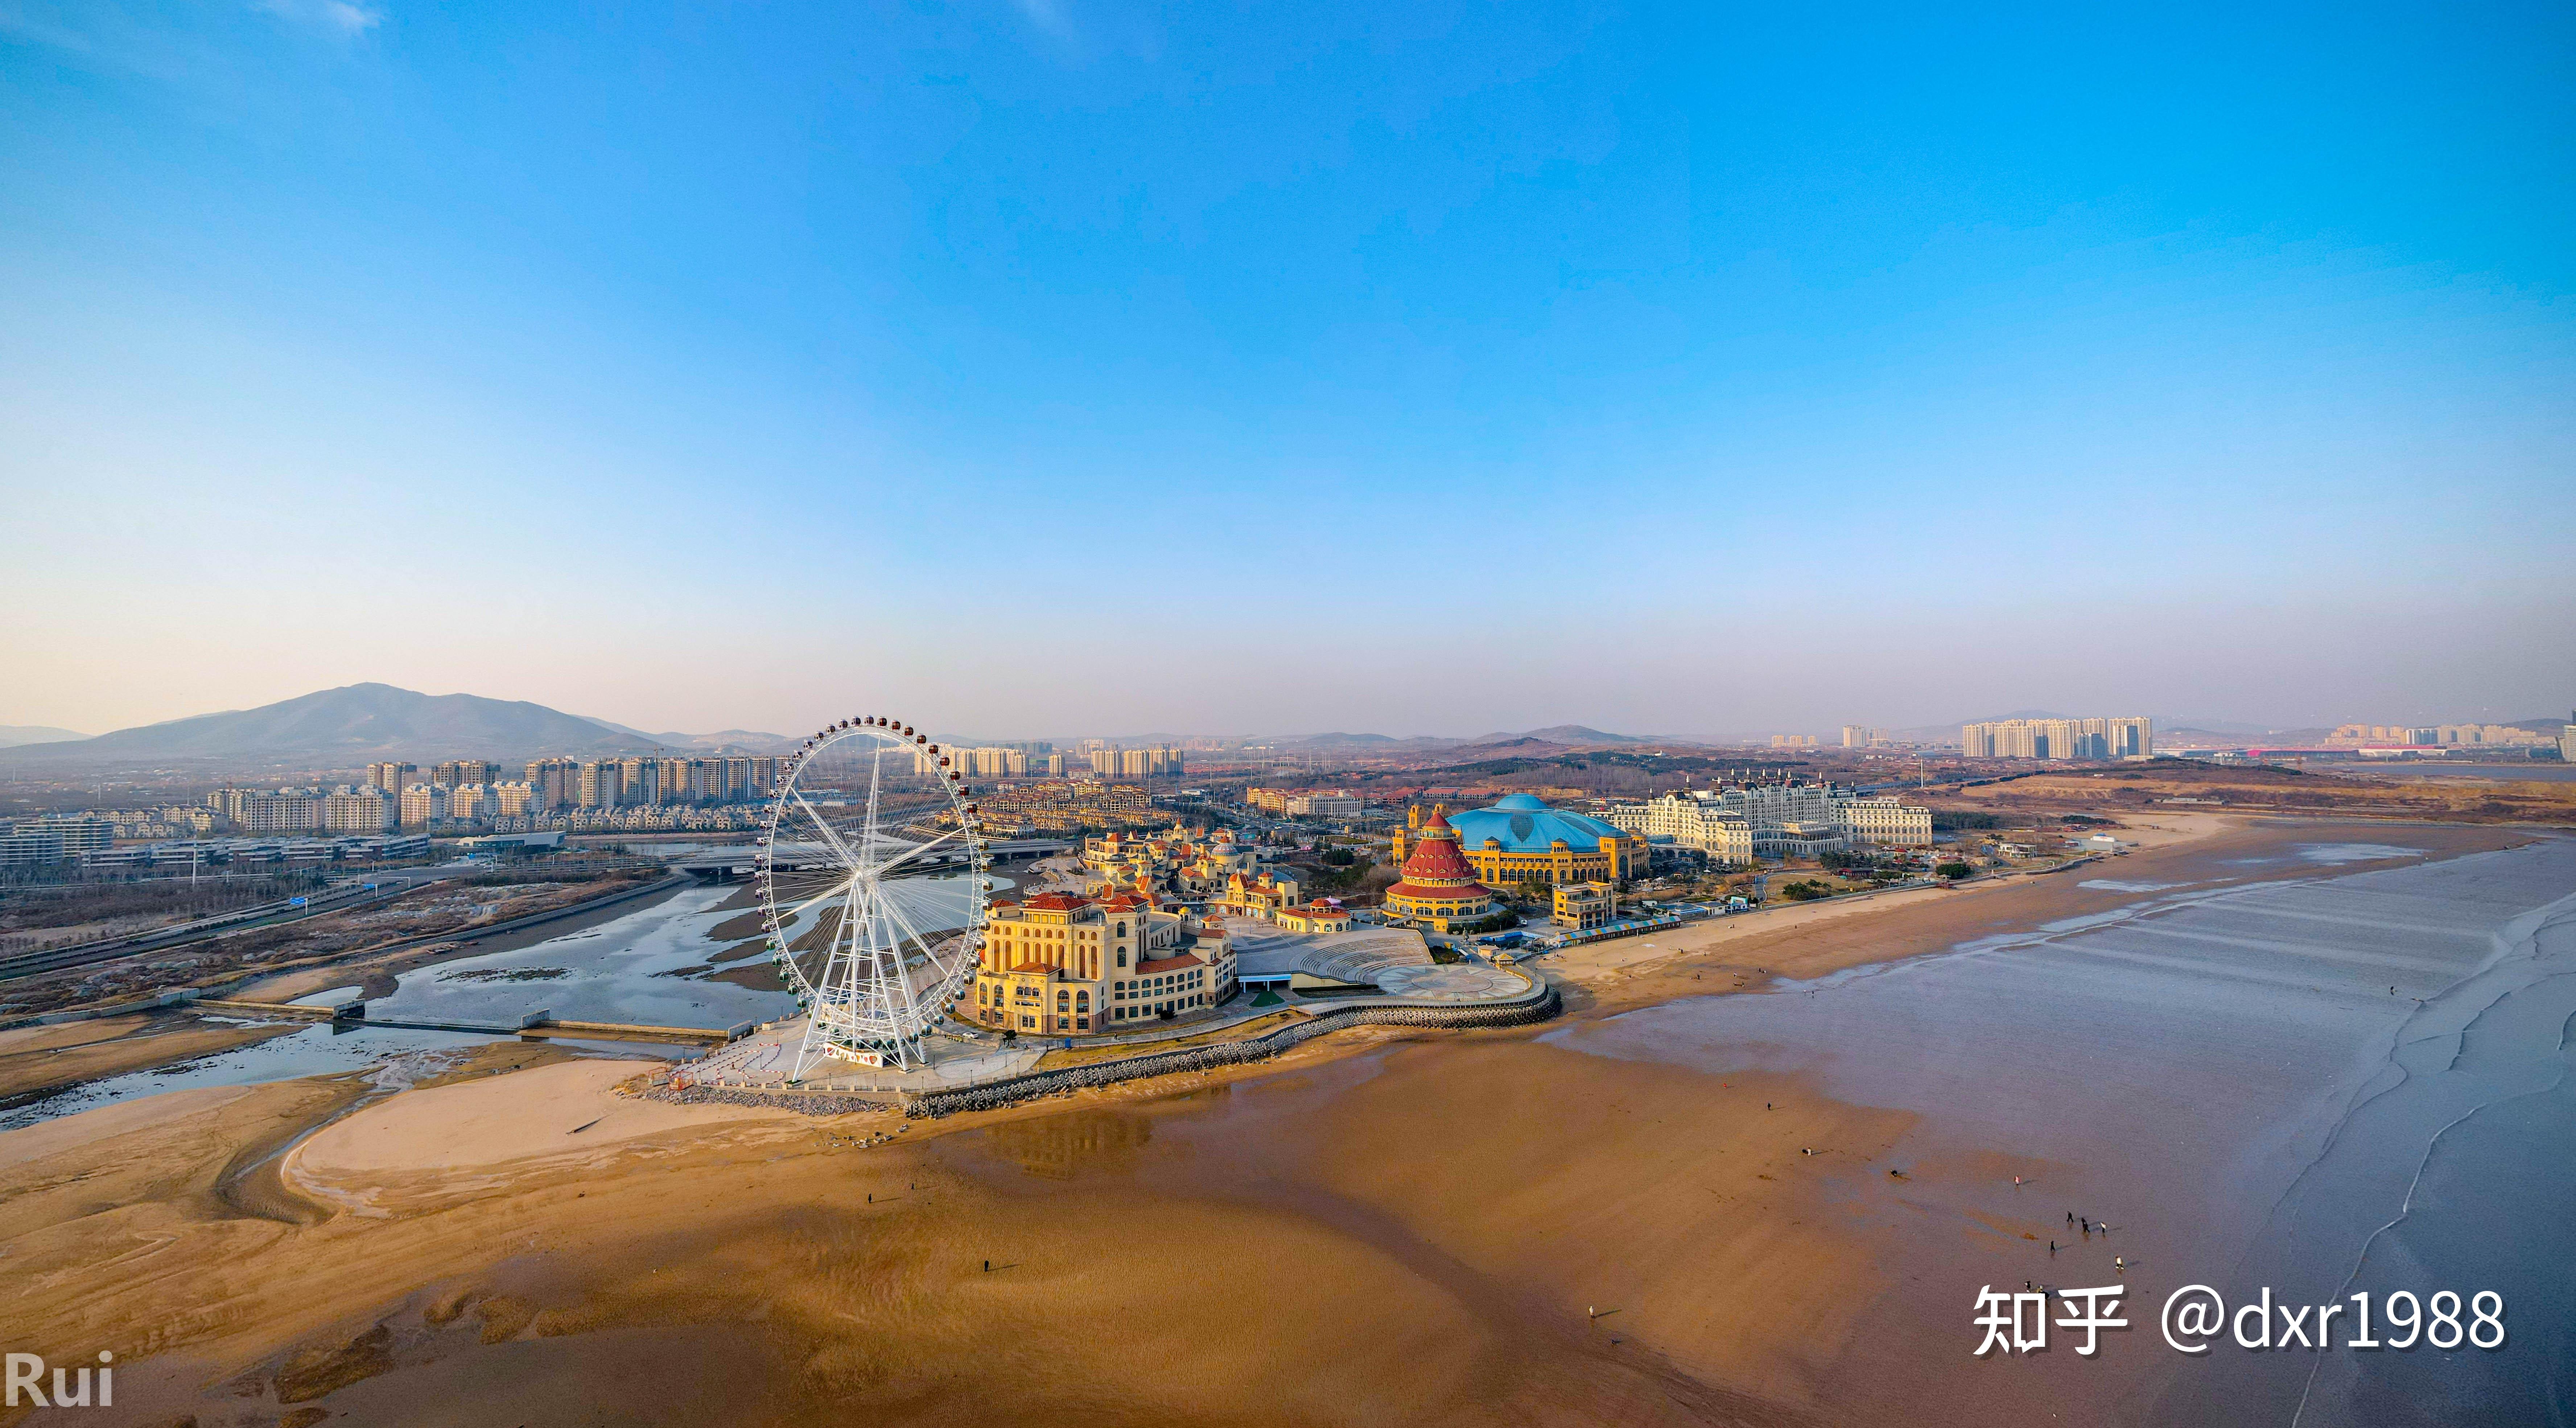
x,y
1422,369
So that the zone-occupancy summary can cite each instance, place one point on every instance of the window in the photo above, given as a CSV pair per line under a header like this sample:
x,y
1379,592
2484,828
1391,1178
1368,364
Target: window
x,y
1122,956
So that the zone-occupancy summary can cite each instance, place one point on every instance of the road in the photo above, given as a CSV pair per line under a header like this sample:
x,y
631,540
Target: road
x,y
390,884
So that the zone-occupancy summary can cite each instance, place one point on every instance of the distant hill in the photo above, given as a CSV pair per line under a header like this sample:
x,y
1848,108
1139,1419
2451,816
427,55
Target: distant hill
x,y
1563,735
743,741
1579,734
342,728
12,735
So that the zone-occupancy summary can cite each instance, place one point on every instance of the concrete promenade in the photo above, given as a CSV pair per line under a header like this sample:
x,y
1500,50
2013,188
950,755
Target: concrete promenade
x,y
965,1073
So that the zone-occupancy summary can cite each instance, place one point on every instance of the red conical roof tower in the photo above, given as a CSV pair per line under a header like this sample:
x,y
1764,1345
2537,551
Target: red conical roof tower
x,y
1436,868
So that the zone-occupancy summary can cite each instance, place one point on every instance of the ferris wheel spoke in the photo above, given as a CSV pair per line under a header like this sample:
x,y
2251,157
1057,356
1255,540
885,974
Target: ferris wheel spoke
x,y
831,835
903,980
876,777
800,909
918,849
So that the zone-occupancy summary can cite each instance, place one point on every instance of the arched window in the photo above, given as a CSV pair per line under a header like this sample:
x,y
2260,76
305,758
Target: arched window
x,y
1122,929
1122,956
1082,1001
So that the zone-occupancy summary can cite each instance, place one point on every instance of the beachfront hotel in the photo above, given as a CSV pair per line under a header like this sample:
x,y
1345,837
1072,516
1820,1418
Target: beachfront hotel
x,y
1733,826
1062,965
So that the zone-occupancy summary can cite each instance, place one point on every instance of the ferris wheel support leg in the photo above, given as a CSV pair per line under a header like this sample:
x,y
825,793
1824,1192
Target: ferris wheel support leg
x,y
808,1049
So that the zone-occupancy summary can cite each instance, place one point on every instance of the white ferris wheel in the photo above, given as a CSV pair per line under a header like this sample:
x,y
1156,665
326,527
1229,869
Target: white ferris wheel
x,y
873,888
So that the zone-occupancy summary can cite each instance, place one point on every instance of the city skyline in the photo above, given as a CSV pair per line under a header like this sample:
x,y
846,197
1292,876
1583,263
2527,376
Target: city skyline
x,y
1742,370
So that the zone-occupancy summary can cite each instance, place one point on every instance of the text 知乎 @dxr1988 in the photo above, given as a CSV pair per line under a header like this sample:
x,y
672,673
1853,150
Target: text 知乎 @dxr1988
x,y
2195,1316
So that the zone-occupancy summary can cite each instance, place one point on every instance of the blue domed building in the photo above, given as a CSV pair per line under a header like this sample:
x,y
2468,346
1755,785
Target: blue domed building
x,y
1521,840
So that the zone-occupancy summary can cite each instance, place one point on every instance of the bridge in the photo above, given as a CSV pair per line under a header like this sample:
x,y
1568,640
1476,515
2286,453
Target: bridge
x,y
535,1023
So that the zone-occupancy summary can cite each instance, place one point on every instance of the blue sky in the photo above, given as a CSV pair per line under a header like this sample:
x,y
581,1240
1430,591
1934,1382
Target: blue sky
x,y
1064,366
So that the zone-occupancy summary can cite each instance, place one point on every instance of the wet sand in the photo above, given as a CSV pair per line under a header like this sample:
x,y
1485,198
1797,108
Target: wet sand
x,y
1815,939
1383,1227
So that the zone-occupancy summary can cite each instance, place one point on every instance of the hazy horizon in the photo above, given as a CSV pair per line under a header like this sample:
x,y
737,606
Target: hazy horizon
x,y
2165,720
1449,370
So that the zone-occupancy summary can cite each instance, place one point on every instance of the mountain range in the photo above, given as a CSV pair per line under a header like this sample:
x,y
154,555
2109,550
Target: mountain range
x,y
12,735
363,723
1560,735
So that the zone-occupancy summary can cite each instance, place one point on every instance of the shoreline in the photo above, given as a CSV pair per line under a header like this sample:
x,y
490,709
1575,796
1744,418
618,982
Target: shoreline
x,y
1430,1210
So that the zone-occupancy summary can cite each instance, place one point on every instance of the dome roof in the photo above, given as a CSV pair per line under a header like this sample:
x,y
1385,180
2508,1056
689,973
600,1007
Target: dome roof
x,y
1522,824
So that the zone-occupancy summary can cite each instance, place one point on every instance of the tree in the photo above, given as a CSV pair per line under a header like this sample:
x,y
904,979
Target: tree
x,y
1952,870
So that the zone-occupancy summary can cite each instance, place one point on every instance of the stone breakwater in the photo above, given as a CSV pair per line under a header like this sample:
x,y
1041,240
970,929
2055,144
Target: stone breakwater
x,y
1229,1053
812,1103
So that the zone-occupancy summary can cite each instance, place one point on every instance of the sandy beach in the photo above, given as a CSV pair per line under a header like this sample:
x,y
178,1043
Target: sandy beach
x,y
1542,1224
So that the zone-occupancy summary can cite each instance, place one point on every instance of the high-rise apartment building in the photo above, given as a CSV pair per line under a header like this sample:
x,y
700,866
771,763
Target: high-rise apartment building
x,y
639,781
2128,738
360,810
603,784
457,773
424,804
391,777
553,784
254,810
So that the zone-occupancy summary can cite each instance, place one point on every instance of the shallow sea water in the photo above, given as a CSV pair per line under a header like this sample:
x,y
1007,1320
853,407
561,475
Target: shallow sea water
x,y
2322,1085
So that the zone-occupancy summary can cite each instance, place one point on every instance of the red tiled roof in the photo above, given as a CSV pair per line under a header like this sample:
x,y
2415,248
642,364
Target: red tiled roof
x,y
1436,858
1034,967
1058,902
1451,893
1182,963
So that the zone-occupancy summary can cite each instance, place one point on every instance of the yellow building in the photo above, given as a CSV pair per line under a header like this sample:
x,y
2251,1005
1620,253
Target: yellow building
x,y
1261,895
1315,917
1521,840
1439,888
1585,906
1061,965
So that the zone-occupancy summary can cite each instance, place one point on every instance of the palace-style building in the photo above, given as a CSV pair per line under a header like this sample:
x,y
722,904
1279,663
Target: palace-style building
x,y
1521,840
1061,965
1439,887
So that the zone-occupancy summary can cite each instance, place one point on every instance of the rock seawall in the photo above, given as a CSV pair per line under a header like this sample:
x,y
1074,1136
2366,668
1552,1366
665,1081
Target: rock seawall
x,y
1228,1053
